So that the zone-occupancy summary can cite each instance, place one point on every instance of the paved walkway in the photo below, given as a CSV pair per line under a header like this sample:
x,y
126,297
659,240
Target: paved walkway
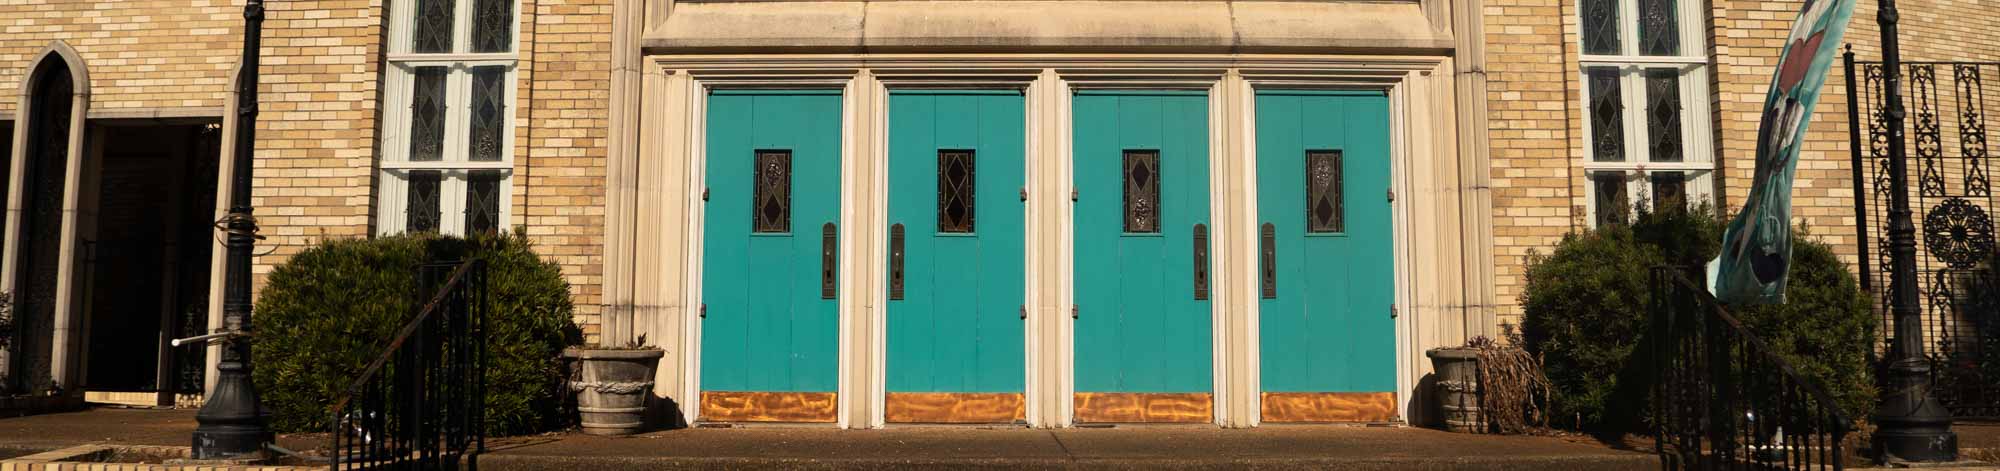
x,y
1183,447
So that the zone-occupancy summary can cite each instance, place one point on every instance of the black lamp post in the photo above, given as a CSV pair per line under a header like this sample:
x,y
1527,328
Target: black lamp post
x,y
1910,425
233,422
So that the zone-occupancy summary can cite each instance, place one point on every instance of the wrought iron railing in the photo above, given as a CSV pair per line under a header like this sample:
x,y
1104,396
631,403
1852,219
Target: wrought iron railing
x,y
420,404
1951,190
1724,399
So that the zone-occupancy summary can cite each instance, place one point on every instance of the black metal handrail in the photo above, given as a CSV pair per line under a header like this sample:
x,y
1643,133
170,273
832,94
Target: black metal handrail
x,y
420,404
1725,399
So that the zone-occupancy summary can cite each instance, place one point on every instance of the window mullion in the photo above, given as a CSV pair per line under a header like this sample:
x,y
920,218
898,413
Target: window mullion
x,y
461,26
451,203
1632,88
1628,27
458,106
394,201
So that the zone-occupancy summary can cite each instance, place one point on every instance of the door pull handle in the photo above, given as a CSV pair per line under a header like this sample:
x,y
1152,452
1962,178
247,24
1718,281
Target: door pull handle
x,y
829,246
896,262
1201,262
1268,254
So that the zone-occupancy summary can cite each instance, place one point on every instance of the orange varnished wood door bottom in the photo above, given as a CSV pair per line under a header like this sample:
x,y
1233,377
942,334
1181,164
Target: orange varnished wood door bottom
x,y
1329,407
954,408
737,406
1186,408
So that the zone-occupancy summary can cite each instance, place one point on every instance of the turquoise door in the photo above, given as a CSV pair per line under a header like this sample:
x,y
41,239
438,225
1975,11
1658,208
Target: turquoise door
x,y
955,255
1141,221
769,323
1325,269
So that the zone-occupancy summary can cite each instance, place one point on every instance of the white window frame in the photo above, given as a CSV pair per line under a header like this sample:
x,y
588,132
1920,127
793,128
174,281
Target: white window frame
x,y
455,165
1697,163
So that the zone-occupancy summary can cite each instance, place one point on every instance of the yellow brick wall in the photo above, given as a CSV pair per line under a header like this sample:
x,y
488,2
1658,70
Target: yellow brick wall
x,y
1531,85
317,133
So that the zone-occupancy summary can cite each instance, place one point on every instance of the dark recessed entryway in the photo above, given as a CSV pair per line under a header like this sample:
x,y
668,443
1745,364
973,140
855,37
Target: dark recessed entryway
x,y
149,258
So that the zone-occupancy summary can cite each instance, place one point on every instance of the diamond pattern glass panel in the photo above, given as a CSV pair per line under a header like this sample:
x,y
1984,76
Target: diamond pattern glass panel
x,y
1659,28
482,201
1663,114
431,28
1609,189
427,108
492,25
1607,117
489,113
1142,191
771,206
1600,26
1323,192
1669,189
424,211
955,191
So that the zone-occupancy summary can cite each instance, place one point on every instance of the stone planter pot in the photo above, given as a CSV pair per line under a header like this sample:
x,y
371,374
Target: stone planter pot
x,y
612,387
1457,390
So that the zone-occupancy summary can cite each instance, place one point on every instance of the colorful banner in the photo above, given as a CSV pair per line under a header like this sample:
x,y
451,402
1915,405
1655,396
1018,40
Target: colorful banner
x,y
1757,247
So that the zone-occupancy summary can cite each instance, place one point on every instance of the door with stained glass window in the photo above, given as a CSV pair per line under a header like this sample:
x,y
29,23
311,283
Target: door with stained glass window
x,y
1143,321
1325,268
956,280
770,239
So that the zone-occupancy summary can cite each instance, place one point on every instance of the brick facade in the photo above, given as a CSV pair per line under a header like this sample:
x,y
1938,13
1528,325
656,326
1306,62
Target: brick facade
x,y
318,124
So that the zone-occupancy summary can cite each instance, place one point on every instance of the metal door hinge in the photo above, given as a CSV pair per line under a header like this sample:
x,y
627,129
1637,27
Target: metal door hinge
x,y
1072,194
1392,195
1024,312
1024,193
704,193
1072,312
704,310
1392,311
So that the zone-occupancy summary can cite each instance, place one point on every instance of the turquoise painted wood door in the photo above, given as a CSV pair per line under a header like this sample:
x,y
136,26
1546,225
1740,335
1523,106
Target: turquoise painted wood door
x,y
1141,174
956,232
773,173
1322,193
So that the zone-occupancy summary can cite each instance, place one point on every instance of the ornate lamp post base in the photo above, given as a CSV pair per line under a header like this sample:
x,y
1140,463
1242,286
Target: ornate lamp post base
x,y
1910,426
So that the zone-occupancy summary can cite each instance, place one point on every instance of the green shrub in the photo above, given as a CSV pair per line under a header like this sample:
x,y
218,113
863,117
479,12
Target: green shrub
x,y
328,311
1586,314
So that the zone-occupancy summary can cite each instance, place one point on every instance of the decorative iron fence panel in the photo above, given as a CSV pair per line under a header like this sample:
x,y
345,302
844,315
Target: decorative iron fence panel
x,y
1952,199
1725,400
420,405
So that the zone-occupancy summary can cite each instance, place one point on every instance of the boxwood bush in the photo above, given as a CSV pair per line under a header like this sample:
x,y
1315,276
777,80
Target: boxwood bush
x,y
1585,314
328,311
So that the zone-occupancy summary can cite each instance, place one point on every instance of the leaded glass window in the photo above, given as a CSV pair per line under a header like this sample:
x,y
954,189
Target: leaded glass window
x,y
432,26
1669,189
1607,114
427,109
1659,28
1646,103
955,191
1663,114
424,210
488,113
1608,189
449,92
1142,191
482,201
771,192
493,26
1323,192
1600,26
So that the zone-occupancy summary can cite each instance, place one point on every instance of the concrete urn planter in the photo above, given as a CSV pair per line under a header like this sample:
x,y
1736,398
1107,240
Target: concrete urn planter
x,y
612,386
1457,390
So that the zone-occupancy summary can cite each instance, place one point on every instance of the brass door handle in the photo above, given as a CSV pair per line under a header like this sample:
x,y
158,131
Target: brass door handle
x,y
829,246
1201,262
896,262
1268,254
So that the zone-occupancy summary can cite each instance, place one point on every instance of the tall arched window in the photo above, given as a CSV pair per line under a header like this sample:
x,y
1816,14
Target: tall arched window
x,y
447,145
39,257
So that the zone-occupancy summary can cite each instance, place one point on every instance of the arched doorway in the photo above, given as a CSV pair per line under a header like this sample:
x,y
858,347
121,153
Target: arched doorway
x,y
42,187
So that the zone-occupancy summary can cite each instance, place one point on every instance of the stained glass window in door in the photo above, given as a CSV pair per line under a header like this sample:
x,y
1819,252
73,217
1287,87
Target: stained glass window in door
x,y
424,211
431,29
955,191
1142,191
1607,117
489,113
1323,192
482,201
427,114
492,25
771,206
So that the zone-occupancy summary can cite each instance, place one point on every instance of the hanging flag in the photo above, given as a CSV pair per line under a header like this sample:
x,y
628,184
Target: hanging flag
x,y
1757,247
